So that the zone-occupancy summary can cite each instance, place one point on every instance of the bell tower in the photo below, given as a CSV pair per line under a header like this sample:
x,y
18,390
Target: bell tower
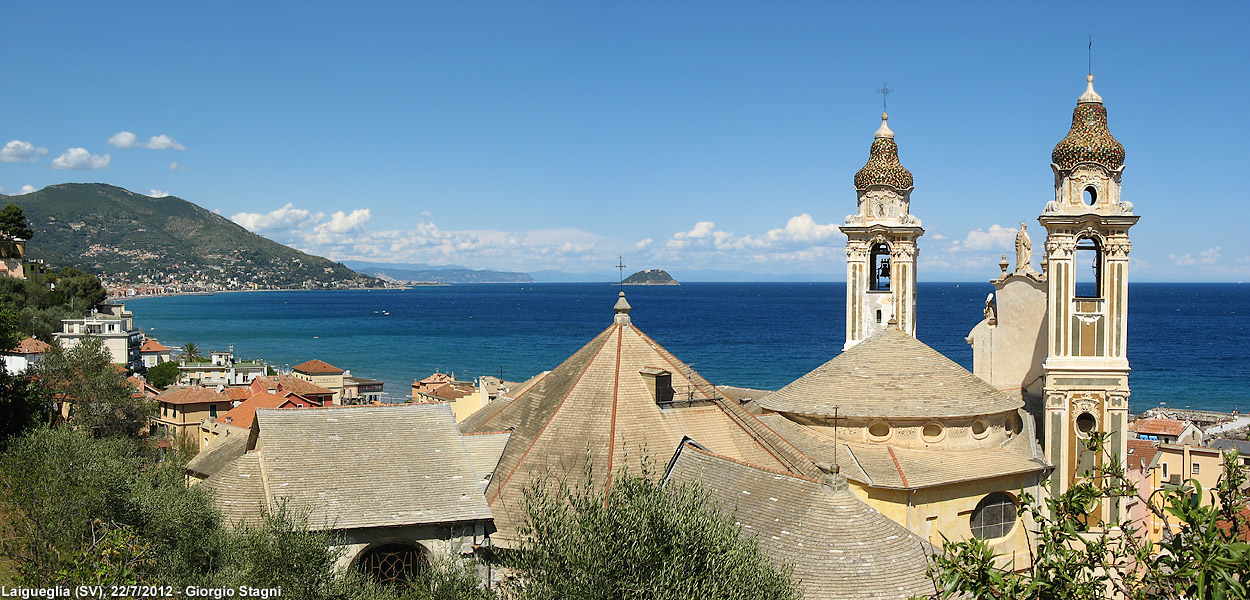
x,y
881,245
1087,245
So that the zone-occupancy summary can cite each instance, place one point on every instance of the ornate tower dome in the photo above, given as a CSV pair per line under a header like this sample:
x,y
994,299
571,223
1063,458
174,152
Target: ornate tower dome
x,y
1088,140
883,167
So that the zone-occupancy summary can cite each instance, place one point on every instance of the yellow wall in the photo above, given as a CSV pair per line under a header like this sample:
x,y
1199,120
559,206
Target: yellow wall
x,y
932,513
186,419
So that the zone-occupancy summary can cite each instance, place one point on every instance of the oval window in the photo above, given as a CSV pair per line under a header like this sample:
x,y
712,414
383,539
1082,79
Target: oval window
x,y
980,428
1091,196
931,432
879,430
1086,423
994,517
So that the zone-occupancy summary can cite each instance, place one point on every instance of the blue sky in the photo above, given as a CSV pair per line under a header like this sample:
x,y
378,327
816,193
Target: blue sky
x,y
683,135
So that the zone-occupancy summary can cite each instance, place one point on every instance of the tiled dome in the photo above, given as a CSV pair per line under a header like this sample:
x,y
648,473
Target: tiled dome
x,y
883,167
1089,140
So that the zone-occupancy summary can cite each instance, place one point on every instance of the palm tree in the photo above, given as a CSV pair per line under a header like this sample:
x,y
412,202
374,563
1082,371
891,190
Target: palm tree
x,y
191,352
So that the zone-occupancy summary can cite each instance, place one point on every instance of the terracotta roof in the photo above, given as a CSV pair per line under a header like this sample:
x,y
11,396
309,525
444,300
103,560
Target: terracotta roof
x,y
897,467
191,395
890,375
1141,453
598,403
239,393
143,389
840,547
30,345
408,466
243,414
318,367
1169,427
291,383
151,345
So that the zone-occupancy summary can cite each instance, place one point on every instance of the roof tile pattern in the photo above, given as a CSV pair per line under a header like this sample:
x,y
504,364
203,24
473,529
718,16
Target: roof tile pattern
x,y
883,167
418,470
840,547
229,445
1088,140
191,395
597,405
30,345
890,375
317,367
1141,453
1170,427
239,491
151,345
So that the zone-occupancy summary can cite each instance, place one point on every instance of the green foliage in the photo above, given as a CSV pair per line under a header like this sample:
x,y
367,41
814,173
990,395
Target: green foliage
x,y
163,375
13,223
21,405
116,556
103,402
191,352
638,539
1204,558
40,309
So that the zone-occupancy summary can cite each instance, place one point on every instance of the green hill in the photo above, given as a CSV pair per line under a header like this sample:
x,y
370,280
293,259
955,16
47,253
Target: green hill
x,y
132,239
651,277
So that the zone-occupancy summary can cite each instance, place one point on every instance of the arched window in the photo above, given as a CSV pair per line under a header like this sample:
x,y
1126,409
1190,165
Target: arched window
x,y
393,563
994,517
879,280
1087,265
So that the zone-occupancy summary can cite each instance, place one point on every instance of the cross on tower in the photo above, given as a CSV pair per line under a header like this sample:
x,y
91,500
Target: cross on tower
x,y
620,266
885,92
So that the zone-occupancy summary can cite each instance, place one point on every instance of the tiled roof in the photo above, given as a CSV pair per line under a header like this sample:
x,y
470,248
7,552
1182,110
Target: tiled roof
x,y
239,491
291,383
485,449
30,345
191,395
395,465
239,393
890,375
1241,446
143,389
1088,139
885,466
318,367
1141,453
597,404
230,444
243,414
840,547
1169,427
151,345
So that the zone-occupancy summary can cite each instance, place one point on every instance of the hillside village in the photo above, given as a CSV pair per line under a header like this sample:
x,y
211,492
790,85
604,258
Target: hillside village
x,y
855,474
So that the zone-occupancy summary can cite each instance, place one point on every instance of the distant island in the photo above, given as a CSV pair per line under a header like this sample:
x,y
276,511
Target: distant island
x,y
651,277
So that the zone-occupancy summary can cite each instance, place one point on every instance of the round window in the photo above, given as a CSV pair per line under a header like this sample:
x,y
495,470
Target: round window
x,y
931,432
1086,423
980,428
879,430
1091,196
994,517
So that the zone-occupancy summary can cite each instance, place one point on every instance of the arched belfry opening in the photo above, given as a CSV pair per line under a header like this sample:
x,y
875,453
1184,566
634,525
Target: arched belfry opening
x,y
1087,271
392,563
880,261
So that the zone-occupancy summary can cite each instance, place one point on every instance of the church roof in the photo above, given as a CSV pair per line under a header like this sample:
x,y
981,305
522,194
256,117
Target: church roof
x,y
1089,140
890,375
840,547
883,167
356,467
229,445
597,406
882,465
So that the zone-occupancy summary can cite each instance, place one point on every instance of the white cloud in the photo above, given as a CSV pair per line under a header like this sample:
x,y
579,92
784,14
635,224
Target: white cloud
x,y
341,222
996,237
19,151
126,140
1209,256
938,236
287,218
176,166
158,194
641,244
799,231
79,158
26,189
1243,260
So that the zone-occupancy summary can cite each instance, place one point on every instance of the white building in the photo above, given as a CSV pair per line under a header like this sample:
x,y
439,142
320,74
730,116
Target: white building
x,y
113,324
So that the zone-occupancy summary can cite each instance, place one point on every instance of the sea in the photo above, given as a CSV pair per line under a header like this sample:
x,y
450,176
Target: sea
x,y
1187,341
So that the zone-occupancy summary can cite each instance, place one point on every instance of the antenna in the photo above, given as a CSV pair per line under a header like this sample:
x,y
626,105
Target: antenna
x,y
885,92
1089,55
620,266
836,418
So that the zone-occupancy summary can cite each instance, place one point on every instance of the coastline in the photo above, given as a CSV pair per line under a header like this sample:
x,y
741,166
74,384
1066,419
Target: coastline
x,y
177,294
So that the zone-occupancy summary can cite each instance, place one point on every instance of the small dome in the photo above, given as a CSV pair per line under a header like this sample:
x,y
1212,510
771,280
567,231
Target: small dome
x,y
1089,140
883,167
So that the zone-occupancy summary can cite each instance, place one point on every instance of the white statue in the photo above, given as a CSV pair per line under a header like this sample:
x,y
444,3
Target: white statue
x,y
1024,250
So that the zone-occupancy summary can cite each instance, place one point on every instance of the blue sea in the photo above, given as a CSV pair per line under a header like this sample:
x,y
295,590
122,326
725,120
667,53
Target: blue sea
x,y
1187,342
